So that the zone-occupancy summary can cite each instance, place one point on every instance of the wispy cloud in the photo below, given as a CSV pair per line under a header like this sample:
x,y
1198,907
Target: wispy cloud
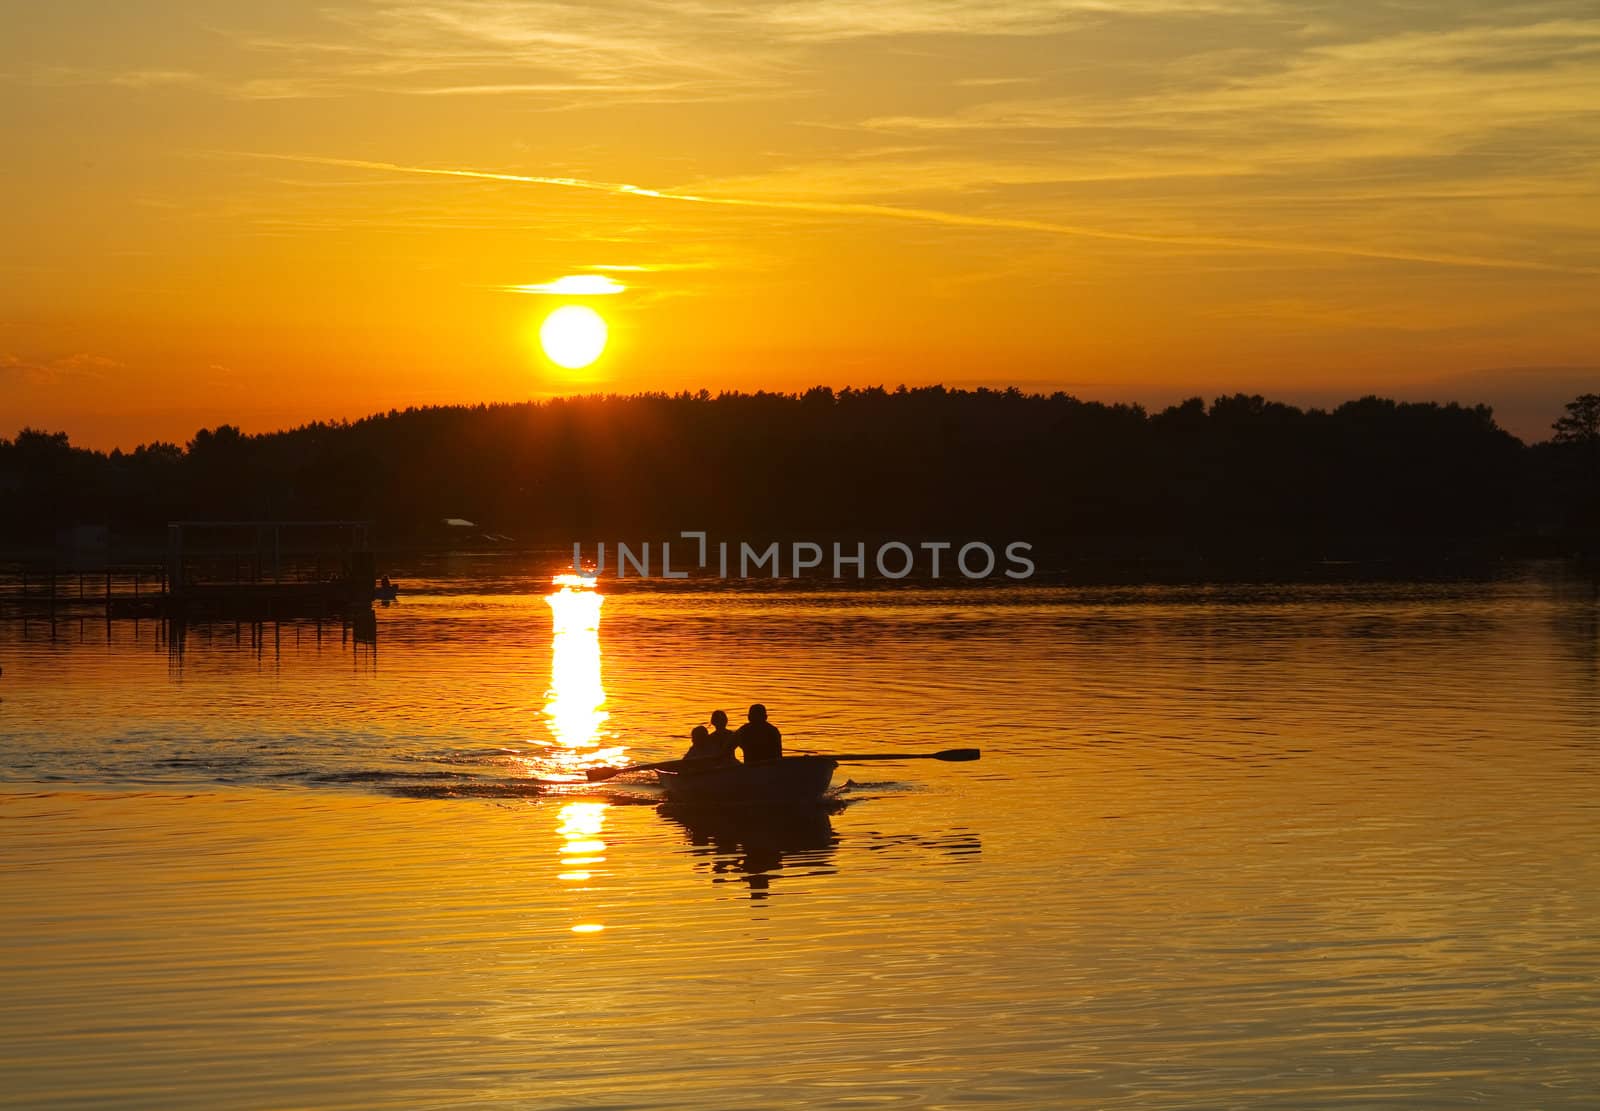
x,y
650,268
77,367
154,78
846,19
936,216
569,54
584,53
1405,93
573,285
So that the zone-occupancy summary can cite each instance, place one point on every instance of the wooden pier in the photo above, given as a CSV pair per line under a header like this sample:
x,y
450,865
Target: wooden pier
x,y
267,569
228,570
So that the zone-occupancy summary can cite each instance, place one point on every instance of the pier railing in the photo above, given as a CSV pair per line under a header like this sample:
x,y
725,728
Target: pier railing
x,y
229,569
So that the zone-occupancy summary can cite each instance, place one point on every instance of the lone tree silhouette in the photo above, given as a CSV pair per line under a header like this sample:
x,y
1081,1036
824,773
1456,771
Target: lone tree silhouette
x,y
1579,431
1581,425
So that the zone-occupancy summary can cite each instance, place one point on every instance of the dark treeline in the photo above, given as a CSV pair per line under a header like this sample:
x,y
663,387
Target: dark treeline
x,y
1240,474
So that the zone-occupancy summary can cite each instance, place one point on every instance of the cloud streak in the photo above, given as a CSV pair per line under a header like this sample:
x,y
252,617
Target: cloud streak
x,y
67,368
580,53
573,285
865,210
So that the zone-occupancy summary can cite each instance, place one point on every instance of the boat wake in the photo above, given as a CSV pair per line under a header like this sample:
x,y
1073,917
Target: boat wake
x,y
440,783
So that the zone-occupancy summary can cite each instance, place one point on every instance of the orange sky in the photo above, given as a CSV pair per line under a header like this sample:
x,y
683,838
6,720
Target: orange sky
x,y
233,212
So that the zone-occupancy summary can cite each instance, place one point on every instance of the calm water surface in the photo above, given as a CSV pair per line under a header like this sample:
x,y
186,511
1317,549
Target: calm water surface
x,y
1254,846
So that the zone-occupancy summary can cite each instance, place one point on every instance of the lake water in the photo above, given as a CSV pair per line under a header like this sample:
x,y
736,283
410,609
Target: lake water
x,y
1326,845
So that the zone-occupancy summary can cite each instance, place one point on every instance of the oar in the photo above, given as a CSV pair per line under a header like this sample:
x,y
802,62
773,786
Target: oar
x,y
596,775
953,755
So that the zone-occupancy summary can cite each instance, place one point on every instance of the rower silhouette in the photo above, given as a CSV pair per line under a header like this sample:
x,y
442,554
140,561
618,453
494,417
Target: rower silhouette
x,y
758,738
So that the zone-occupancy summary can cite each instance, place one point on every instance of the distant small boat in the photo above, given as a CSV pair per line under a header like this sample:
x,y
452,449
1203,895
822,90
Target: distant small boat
x,y
789,781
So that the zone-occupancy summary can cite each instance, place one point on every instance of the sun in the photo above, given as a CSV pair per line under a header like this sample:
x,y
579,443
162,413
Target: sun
x,y
573,336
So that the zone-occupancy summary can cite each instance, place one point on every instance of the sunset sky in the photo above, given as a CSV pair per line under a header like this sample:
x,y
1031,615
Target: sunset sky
x,y
272,213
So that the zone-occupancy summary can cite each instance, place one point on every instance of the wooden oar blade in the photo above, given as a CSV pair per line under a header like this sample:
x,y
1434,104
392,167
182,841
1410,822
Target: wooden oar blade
x,y
597,775
955,755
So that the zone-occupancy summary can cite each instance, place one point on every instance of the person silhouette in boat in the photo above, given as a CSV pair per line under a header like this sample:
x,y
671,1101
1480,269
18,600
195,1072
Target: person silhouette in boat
x,y
758,738
705,748
720,733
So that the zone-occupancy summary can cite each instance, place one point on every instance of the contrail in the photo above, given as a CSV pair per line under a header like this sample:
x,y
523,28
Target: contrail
x,y
938,216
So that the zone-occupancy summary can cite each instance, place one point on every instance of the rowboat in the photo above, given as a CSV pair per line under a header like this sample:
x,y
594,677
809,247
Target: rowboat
x,y
788,781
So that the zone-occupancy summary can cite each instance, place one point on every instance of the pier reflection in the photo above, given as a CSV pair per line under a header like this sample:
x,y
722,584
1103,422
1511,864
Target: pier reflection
x,y
358,626
356,630
758,847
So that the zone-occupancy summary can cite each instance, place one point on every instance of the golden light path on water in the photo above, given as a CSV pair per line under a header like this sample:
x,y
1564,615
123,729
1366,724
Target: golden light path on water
x,y
574,707
575,712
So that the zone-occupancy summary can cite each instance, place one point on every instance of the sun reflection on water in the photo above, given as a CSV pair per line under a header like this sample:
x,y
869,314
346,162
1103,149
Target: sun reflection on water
x,y
575,712
580,828
581,823
575,701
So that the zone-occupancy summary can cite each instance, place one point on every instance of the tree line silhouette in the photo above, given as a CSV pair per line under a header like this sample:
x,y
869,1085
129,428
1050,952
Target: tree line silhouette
x,y
1241,474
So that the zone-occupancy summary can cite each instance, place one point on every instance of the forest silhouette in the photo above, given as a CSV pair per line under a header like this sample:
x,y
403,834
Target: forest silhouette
x,y
1242,474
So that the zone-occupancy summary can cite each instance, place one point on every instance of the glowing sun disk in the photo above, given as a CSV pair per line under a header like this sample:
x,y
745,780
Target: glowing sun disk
x,y
573,336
